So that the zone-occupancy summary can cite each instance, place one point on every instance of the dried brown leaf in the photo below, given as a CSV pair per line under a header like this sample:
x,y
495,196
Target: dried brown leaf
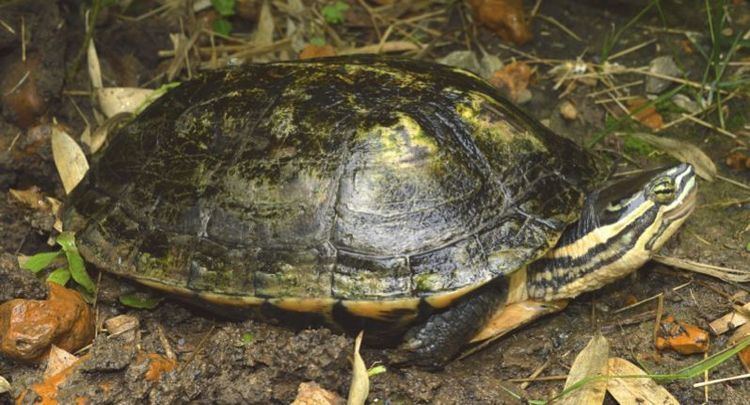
x,y
117,100
591,361
635,390
360,386
505,17
647,116
31,197
314,51
682,151
58,360
69,159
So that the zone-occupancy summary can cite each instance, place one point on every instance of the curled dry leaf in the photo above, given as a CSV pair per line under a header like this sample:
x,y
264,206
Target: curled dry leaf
x,y
635,390
58,360
647,116
29,327
682,151
314,51
4,385
360,386
590,362
31,197
738,160
681,337
313,394
69,159
116,100
505,17
730,320
95,71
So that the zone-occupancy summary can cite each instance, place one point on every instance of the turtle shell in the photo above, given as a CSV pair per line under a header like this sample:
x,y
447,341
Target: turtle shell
x,y
376,184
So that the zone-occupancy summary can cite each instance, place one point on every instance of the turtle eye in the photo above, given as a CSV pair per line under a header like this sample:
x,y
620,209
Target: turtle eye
x,y
663,191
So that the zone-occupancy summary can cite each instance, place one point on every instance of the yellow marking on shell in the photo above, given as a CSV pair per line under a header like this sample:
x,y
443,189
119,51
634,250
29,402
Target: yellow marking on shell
x,y
400,140
314,305
446,299
498,129
381,309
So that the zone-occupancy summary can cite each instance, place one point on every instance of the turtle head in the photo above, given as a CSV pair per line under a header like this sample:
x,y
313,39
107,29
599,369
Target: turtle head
x,y
620,228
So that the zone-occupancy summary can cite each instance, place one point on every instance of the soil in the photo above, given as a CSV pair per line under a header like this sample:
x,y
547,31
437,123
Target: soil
x,y
251,362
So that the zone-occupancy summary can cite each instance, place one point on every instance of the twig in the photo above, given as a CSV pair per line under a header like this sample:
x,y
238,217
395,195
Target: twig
x,y
7,27
547,378
711,382
732,181
723,273
710,126
559,25
536,373
615,88
631,49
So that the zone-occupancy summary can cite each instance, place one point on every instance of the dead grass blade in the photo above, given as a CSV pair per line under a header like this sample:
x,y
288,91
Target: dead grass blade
x,y
360,386
682,151
635,390
590,362
722,273
69,159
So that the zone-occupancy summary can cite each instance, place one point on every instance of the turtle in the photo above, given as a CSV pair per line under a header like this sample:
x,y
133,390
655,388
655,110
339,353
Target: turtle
x,y
403,198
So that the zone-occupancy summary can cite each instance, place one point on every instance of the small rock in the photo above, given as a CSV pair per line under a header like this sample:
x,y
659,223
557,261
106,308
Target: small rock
x,y
663,65
109,354
568,111
462,59
513,80
29,327
313,394
17,282
681,337
685,103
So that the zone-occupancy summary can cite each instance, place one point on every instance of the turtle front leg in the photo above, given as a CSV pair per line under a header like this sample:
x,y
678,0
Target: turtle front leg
x,y
440,338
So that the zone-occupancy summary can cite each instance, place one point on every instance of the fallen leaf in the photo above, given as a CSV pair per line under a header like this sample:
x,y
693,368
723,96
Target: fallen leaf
x,y
682,151
95,71
314,51
263,35
738,160
681,337
744,356
116,100
29,327
360,385
513,79
58,360
313,394
730,320
4,385
590,362
121,323
69,159
635,390
505,17
19,93
96,139
647,116
31,197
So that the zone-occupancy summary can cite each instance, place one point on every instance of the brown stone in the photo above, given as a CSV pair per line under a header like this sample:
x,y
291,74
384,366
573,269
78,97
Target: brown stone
x,y
29,327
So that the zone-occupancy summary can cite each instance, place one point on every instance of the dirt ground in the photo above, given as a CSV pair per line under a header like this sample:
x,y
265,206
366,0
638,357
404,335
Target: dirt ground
x,y
217,362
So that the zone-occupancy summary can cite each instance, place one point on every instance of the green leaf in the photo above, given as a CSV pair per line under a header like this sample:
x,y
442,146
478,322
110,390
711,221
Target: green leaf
x,y
318,41
225,8
222,26
247,337
375,370
39,261
139,301
60,276
75,261
334,13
